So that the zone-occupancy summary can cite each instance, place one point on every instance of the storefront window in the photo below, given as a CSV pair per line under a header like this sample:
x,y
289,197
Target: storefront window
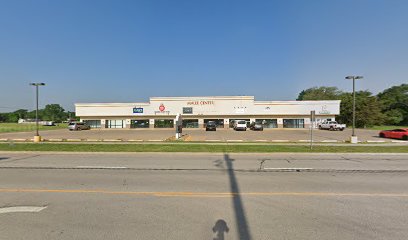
x,y
268,123
139,123
190,123
293,123
93,123
114,123
164,123
219,122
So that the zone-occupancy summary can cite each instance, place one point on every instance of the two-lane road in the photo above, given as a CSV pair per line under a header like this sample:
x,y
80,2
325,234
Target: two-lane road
x,y
203,196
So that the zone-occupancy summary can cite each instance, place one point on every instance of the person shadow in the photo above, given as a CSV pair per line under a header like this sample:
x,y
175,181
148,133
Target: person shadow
x,y
219,229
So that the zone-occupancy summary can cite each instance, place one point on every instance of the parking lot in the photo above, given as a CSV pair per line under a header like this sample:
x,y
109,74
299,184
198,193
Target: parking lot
x,y
221,135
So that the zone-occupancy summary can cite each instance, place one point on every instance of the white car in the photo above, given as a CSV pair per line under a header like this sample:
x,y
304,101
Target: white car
x,y
240,125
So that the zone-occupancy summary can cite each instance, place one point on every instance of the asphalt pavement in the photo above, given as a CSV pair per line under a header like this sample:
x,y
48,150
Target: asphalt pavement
x,y
203,196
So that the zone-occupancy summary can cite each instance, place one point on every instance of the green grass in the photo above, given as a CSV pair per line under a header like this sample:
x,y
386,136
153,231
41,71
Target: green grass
x,y
386,127
15,127
195,148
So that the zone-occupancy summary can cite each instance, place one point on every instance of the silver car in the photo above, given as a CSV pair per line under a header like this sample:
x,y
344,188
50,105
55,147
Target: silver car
x,y
78,126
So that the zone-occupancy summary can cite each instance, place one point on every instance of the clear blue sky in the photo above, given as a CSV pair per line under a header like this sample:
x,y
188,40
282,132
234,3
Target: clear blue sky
x,y
127,51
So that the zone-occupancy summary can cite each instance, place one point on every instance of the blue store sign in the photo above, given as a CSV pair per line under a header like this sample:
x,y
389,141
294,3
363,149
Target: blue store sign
x,y
137,110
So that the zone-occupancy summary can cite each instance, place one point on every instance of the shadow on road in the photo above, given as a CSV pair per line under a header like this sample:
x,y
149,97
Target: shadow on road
x,y
3,158
220,228
240,218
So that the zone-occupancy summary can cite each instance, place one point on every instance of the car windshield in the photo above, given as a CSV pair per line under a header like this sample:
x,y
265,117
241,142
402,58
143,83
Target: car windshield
x,y
241,122
71,123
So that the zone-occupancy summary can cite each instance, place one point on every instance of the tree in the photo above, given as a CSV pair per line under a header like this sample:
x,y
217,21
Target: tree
x,y
394,102
368,109
320,93
54,112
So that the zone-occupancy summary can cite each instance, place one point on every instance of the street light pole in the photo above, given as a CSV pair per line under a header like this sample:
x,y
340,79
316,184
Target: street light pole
x,y
353,135
37,137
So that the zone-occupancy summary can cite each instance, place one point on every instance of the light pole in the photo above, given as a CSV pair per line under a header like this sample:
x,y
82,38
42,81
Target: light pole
x,y
353,136
37,137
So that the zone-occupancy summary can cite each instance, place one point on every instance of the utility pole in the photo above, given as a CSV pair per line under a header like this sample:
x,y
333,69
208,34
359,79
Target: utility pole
x,y
37,137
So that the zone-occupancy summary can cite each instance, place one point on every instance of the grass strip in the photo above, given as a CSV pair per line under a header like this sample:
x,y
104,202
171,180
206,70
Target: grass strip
x,y
196,148
26,127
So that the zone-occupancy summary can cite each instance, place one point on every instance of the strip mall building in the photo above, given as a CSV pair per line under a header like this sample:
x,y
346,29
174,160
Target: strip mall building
x,y
160,112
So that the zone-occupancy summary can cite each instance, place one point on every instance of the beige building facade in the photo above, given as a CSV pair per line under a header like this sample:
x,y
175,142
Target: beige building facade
x,y
160,112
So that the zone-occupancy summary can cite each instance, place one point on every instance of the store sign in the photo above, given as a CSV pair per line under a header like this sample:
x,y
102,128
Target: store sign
x,y
162,107
200,103
324,110
187,110
137,110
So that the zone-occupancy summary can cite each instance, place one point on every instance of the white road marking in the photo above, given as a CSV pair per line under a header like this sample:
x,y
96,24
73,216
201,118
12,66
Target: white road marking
x,y
155,140
21,209
288,168
135,140
235,140
375,141
280,140
112,140
329,141
104,167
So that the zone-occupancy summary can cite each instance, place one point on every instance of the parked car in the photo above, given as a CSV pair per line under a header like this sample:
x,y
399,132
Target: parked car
x,y
240,125
332,126
256,126
211,126
78,126
400,133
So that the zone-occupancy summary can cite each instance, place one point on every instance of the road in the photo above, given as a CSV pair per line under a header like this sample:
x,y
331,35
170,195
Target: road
x,y
203,196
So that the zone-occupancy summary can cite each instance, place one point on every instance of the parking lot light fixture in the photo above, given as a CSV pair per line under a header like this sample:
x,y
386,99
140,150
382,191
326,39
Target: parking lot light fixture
x,y
37,137
353,135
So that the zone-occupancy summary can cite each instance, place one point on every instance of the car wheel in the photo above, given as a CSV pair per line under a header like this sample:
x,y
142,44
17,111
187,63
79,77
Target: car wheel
x,y
382,135
405,137
78,129
342,129
331,129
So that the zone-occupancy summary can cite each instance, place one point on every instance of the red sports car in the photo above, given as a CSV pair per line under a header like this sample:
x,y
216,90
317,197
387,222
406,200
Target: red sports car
x,y
401,133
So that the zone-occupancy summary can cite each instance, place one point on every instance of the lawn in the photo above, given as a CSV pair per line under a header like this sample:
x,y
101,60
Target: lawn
x,y
15,127
185,147
385,127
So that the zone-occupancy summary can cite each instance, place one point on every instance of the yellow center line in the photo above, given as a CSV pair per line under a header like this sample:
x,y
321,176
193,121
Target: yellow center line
x,y
204,194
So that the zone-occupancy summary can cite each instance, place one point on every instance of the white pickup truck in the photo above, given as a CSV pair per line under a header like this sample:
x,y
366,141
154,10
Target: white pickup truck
x,y
332,126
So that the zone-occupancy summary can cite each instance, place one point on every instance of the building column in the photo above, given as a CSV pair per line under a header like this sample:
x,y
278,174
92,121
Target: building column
x,y
280,122
200,123
226,123
103,123
127,123
151,123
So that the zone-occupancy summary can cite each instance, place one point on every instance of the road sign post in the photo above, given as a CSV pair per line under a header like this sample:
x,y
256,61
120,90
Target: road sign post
x,y
312,123
179,125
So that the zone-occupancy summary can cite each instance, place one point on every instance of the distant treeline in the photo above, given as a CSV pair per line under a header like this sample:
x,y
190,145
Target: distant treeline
x,y
388,107
51,112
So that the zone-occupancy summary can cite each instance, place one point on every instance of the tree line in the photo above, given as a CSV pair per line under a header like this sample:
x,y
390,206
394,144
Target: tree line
x,y
51,112
389,107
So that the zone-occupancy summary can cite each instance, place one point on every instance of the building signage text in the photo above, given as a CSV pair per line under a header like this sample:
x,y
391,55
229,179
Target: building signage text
x,y
202,102
187,110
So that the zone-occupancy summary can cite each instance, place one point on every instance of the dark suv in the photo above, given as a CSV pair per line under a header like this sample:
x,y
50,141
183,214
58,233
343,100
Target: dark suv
x,y
256,126
211,126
